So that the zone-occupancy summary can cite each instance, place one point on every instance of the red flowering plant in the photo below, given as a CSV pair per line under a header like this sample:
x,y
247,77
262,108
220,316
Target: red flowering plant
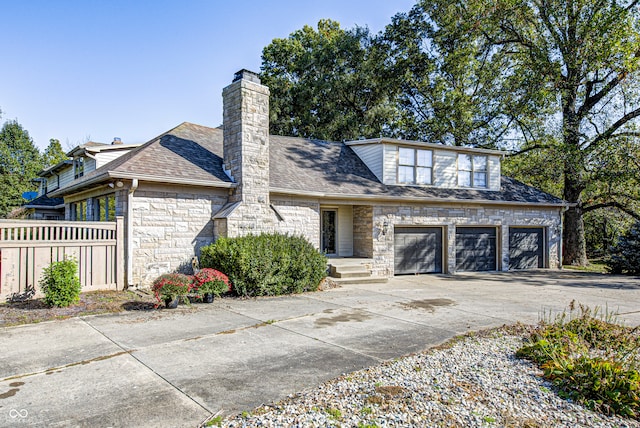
x,y
212,281
170,285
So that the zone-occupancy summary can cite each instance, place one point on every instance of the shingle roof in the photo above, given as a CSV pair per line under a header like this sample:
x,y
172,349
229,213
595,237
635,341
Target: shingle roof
x,y
192,154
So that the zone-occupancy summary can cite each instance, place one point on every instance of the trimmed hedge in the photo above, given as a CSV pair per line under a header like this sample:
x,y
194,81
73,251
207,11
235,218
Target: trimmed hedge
x,y
269,264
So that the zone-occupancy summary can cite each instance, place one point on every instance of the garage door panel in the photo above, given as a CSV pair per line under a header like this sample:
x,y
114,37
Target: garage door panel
x,y
476,249
418,250
526,248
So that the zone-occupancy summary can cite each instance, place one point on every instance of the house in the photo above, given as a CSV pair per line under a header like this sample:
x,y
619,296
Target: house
x,y
407,207
85,157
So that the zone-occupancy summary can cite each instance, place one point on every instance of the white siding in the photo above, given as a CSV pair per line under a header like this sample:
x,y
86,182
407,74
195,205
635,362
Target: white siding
x,y
494,173
445,169
103,158
390,164
345,231
371,155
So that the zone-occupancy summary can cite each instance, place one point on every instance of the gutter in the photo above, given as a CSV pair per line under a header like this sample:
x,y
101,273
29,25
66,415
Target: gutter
x,y
353,198
129,239
110,175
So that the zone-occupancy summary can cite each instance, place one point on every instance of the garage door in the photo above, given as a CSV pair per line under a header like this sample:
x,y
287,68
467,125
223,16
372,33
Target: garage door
x,y
476,249
418,250
526,248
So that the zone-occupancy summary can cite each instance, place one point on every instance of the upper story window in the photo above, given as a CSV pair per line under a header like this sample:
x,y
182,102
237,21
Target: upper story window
x,y
415,166
44,188
472,170
78,167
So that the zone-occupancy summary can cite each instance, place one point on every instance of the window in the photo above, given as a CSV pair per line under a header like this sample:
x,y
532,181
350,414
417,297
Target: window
x,y
472,171
78,167
79,211
44,186
104,208
415,166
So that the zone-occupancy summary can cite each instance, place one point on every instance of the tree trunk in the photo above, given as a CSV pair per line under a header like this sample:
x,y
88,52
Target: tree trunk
x,y
574,243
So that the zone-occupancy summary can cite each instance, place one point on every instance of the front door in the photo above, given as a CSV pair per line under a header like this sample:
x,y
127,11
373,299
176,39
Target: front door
x,y
328,232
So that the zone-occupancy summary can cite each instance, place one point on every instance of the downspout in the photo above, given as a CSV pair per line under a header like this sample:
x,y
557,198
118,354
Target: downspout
x,y
563,210
134,186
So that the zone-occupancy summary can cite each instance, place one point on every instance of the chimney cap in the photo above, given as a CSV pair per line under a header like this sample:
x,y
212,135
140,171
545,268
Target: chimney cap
x,y
246,75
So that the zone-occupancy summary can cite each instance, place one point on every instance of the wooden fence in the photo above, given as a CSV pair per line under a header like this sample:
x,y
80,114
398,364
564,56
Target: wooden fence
x,y
28,246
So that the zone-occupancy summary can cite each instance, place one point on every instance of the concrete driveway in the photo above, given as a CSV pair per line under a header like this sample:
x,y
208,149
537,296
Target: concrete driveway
x,y
178,367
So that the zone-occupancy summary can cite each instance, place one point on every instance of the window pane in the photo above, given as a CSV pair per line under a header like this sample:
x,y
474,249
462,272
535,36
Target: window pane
x,y
479,179
464,178
405,174
464,163
480,163
423,175
405,156
425,158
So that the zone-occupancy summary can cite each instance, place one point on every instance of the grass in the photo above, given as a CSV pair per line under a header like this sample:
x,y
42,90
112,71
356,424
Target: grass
x,y
590,359
593,266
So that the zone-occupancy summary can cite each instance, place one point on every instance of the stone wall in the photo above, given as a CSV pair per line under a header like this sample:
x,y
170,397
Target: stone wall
x,y
170,225
462,215
298,217
363,231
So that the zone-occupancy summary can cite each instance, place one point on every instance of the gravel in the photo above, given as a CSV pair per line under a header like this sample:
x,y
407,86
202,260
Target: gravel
x,y
475,382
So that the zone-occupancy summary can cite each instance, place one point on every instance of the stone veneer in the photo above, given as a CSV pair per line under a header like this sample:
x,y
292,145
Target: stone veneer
x,y
246,156
461,215
363,231
299,217
170,225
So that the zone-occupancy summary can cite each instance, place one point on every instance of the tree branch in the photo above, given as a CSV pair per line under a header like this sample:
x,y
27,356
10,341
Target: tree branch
x,y
612,204
613,128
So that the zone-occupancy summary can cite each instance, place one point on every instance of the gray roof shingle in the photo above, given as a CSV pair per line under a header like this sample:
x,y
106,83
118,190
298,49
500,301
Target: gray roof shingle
x,y
192,152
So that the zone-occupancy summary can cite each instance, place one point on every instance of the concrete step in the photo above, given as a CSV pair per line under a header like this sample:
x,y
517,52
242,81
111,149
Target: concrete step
x,y
351,274
368,280
347,268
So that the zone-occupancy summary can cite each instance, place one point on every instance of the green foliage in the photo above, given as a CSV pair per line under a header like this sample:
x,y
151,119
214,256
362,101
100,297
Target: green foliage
x,y
20,162
326,84
267,264
590,359
60,283
53,154
625,257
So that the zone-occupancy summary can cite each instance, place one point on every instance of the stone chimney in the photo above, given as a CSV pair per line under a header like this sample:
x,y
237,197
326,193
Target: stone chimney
x,y
246,137
246,158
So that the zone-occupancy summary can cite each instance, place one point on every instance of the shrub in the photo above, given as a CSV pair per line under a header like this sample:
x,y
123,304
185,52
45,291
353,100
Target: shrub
x,y
267,264
60,283
625,257
209,280
169,285
590,359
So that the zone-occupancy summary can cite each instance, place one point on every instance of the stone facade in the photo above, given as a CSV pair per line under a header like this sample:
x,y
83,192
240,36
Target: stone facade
x,y
449,217
363,231
246,156
170,225
298,217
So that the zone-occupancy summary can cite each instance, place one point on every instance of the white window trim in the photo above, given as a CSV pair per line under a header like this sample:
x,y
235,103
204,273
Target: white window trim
x,y
472,171
415,167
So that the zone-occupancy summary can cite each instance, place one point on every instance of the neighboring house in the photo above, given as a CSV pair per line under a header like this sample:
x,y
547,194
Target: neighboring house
x,y
83,159
410,207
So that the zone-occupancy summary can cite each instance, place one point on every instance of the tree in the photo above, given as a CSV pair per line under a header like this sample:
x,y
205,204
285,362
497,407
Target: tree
x,y
20,162
565,85
53,154
324,84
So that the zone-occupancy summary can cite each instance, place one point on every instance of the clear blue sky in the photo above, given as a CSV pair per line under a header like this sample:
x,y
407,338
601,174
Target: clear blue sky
x,y
78,70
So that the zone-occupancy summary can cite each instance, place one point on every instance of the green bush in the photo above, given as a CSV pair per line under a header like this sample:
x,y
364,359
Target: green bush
x,y
625,257
60,283
590,359
267,264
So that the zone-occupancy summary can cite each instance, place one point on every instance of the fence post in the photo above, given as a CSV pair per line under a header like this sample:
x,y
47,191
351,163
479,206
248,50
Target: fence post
x,y
120,246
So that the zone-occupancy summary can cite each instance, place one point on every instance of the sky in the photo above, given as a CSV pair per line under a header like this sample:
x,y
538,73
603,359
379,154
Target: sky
x,y
93,70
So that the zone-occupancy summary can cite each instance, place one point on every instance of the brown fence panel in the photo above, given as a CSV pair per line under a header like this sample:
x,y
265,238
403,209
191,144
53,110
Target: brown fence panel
x,y
28,246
